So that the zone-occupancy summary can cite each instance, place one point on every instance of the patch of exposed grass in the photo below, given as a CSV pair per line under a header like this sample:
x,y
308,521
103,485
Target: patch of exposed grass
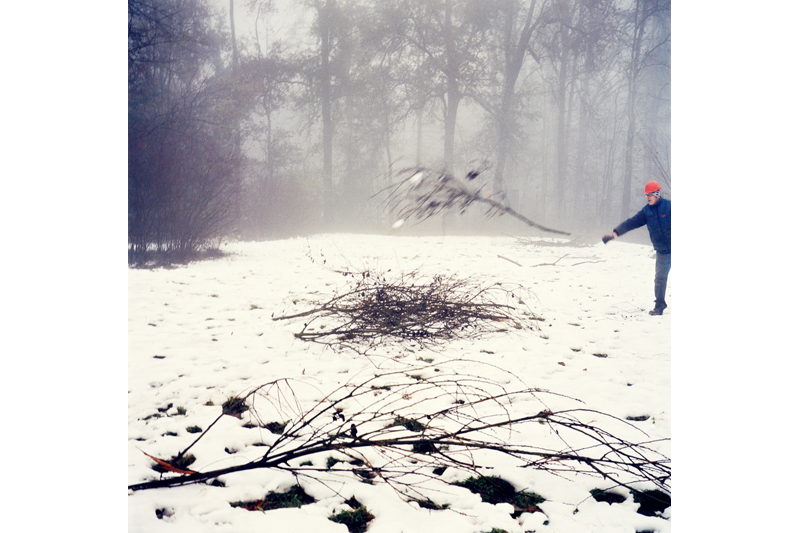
x,y
294,497
181,462
651,502
277,427
427,504
356,520
234,406
194,429
491,489
494,490
424,447
527,501
608,497
409,424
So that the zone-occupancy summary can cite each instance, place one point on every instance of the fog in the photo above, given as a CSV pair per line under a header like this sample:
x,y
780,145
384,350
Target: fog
x,y
321,105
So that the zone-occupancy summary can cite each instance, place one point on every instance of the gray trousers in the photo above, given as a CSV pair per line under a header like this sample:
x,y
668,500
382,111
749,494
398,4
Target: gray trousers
x,y
663,263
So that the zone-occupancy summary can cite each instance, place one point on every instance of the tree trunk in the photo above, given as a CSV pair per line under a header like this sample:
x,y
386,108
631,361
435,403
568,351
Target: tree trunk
x,y
325,103
237,132
420,113
514,61
633,83
561,132
453,95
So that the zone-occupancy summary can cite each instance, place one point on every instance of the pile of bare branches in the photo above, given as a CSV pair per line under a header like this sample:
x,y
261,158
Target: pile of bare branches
x,y
377,312
405,429
423,193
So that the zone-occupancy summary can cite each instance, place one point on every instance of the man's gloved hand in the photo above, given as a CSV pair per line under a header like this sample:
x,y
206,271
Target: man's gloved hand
x,y
607,238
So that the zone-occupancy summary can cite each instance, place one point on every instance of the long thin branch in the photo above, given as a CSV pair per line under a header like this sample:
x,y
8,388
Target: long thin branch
x,y
466,424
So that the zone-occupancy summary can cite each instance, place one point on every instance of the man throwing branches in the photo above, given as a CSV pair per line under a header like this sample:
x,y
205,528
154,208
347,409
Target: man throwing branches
x,y
657,214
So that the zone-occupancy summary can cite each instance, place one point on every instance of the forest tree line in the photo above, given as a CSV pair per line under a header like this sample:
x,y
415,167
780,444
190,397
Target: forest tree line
x,y
236,131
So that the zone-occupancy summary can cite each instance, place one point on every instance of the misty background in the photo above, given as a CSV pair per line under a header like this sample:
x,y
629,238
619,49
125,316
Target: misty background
x,y
262,119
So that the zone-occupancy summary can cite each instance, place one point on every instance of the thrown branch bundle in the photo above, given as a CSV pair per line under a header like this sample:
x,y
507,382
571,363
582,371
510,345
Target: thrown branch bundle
x,y
424,193
378,312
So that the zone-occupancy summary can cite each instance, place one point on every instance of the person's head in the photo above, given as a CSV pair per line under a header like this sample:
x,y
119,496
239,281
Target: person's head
x,y
652,192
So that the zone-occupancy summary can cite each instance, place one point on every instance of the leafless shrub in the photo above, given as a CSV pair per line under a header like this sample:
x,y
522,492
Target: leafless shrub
x,y
405,429
423,193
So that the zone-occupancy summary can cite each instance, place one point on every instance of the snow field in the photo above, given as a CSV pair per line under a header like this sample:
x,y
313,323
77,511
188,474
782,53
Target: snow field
x,y
201,333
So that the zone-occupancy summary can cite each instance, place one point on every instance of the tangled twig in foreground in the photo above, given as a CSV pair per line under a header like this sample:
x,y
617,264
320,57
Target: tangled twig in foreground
x,y
406,429
424,193
378,312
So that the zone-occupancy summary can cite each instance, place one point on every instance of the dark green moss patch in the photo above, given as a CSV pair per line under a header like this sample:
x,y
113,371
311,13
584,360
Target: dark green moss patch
x,y
277,427
356,520
608,497
409,424
491,489
424,447
294,497
526,502
652,502
494,490
366,475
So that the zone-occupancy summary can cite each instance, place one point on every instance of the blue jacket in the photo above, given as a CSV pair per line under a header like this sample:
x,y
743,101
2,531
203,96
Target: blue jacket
x,y
659,223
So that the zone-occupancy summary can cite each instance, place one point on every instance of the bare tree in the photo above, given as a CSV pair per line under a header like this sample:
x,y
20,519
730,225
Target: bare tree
x,y
183,108
450,35
515,45
642,18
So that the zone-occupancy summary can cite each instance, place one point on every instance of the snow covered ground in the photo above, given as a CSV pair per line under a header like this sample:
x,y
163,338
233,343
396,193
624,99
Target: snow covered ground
x,y
201,333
